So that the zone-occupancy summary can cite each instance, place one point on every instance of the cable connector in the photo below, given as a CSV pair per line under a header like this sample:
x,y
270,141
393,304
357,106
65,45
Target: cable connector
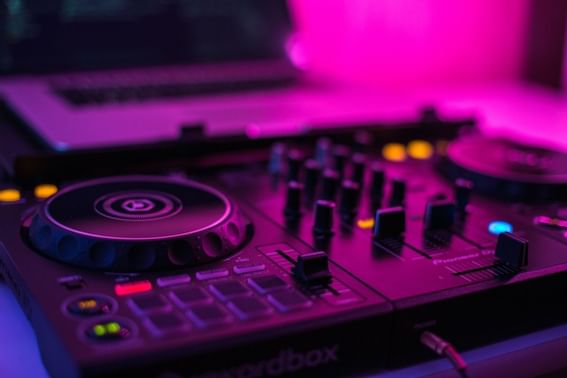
x,y
445,349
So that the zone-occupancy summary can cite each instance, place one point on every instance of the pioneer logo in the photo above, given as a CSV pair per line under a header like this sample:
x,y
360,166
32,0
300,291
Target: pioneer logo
x,y
287,361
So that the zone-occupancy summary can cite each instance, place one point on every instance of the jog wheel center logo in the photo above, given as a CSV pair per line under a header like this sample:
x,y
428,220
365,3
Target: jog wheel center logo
x,y
138,206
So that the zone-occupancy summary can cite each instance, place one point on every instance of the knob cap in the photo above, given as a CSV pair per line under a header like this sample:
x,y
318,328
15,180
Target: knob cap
x,y
463,189
363,141
323,223
276,165
389,223
323,151
377,185
312,171
340,155
312,268
293,200
398,192
512,250
439,213
358,168
329,185
294,163
350,196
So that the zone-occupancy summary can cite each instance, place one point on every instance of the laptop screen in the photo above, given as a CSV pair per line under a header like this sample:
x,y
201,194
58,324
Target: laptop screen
x,y
41,36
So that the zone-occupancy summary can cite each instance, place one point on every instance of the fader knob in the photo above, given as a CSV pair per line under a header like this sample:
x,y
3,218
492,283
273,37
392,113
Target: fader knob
x,y
389,223
312,268
292,208
350,195
330,182
512,250
398,192
439,214
323,223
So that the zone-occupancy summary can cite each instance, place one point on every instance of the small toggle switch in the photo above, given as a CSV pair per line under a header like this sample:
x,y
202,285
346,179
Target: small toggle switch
x,y
312,268
512,249
439,214
389,223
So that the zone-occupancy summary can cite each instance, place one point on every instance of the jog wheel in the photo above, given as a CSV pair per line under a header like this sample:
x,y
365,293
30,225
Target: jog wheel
x,y
138,223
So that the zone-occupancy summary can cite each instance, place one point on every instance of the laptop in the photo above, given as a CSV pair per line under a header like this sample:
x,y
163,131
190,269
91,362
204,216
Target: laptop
x,y
90,75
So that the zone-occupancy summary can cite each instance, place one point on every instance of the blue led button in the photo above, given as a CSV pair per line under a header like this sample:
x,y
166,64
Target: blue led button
x,y
499,227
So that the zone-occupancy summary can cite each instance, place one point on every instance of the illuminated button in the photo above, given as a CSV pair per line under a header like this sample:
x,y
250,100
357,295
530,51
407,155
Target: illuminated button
x,y
228,289
44,191
211,274
179,279
420,149
551,223
365,224
10,195
132,287
149,303
208,315
248,308
91,305
110,330
248,268
189,295
499,227
394,152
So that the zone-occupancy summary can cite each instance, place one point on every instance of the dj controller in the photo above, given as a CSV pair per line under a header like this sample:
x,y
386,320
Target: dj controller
x,y
339,251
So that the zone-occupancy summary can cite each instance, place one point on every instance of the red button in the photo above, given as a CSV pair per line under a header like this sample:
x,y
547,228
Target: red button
x,y
132,287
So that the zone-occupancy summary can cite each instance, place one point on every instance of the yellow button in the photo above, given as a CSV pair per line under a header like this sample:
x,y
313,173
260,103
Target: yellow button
x,y
365,224
44,191
394,152
420,149
10,195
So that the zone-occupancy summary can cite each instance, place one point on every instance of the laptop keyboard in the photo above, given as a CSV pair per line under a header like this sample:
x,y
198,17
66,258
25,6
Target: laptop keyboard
x,y
109,94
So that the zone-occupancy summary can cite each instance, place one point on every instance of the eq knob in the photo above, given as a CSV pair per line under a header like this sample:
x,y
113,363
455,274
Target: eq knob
x,y
323,151
463,190
398,192
340,155
358,168
312,171
439,214
292,209
350,196
276,163
377,185
389,223
329,185
323,222
294,163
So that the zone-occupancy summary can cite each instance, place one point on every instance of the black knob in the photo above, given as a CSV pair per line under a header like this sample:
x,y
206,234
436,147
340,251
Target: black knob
x,y
463,190
323,223
439,214
323,151
312,170
358,168
363,141
312,268
294,163
389,223
292,207
512,250
340,155
350,196
329,185
398,192
377,185
276,165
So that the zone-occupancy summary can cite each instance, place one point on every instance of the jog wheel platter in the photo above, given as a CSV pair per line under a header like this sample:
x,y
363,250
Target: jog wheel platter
x,y
131,224
508,170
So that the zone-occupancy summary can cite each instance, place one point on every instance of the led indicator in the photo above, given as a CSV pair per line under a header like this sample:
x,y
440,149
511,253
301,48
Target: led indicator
x,y
44,191
132,287
113,327
394,152
87,304
499,227
420,149
99,330
10,195
365,224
